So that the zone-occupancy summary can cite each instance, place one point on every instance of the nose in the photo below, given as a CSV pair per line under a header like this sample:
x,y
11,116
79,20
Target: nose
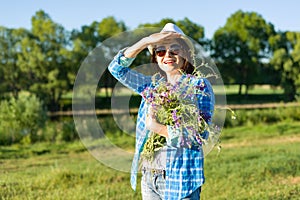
x,y
168,54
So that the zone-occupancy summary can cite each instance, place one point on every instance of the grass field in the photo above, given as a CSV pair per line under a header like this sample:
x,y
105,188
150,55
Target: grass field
x,y
256,162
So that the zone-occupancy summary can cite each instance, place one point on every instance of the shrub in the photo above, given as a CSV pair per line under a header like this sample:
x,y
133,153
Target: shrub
x,y
69,131
20,118
268,116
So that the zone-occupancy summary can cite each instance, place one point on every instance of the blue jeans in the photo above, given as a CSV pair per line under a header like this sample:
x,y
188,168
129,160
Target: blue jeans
x,y
153,186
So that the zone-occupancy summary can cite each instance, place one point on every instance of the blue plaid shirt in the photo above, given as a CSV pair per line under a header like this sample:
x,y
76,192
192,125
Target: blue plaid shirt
x,y
184,169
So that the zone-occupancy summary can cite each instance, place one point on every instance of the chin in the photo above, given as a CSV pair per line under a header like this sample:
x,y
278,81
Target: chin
x,y
168,68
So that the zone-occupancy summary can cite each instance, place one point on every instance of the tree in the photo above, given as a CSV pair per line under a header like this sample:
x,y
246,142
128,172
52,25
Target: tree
x,y
12,79
193,30
89,47
107,28
241,47
84,41
286,60
45,60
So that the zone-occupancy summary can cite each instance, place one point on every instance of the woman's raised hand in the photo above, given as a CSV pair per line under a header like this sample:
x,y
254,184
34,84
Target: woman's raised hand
x,y
152,39
157,38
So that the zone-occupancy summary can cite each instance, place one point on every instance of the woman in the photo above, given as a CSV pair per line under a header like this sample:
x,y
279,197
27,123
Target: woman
x,y
175,172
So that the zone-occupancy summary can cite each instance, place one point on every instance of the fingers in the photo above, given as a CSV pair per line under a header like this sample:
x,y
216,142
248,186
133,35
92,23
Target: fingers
x,y
149,120
150,112
166,35
162,37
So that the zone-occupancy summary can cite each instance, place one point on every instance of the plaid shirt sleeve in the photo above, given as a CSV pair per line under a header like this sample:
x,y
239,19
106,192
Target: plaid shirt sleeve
x,y
119,68
206,102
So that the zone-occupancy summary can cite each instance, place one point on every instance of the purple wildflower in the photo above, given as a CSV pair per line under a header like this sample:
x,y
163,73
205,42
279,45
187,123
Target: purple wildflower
x,y
198,138
201,86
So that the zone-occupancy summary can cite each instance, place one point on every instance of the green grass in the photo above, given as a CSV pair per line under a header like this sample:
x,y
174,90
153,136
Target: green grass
x,y
253,172
55,175
255,89
256,162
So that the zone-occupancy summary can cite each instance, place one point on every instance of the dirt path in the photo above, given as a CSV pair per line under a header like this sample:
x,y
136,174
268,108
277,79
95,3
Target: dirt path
x,y
268,141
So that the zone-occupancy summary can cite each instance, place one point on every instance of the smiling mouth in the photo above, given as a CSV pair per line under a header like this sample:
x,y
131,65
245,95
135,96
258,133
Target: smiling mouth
x,y
169,62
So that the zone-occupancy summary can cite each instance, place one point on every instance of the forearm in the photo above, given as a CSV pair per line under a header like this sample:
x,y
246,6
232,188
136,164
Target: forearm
x,y
135,49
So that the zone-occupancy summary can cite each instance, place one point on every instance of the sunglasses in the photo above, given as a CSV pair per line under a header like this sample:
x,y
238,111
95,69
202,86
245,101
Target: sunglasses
x,y
162,50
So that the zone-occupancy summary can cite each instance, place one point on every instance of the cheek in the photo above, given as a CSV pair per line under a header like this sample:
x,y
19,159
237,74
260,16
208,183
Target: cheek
x,y
158,59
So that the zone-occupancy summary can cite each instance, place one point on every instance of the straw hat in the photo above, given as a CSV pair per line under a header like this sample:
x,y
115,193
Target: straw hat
x,y
170,27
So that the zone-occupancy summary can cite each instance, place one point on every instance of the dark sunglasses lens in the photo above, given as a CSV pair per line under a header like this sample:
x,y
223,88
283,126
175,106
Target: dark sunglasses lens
x,y
160,51
175,49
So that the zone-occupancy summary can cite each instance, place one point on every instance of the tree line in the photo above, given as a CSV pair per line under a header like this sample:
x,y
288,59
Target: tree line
x,y
45,59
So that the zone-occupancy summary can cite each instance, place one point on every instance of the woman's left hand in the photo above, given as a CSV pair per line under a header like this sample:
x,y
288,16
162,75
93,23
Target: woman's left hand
x,y
150,118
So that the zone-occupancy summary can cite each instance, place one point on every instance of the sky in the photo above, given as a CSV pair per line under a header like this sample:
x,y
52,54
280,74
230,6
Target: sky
x,y
211,14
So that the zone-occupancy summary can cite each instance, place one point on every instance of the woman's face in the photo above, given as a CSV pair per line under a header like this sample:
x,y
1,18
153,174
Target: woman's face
x,y
169,56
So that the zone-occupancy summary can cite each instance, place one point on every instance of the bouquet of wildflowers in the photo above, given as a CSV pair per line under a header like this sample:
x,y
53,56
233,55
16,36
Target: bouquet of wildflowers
x,y
175,105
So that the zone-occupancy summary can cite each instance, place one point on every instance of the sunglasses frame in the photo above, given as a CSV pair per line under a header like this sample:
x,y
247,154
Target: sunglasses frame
x,y
174,51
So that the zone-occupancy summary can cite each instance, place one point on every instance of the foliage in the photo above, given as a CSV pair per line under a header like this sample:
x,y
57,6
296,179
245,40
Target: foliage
x,y
153,144
11,75
241,47
45,59
267,116
50,60
69,132
21,117
109,27
286,60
